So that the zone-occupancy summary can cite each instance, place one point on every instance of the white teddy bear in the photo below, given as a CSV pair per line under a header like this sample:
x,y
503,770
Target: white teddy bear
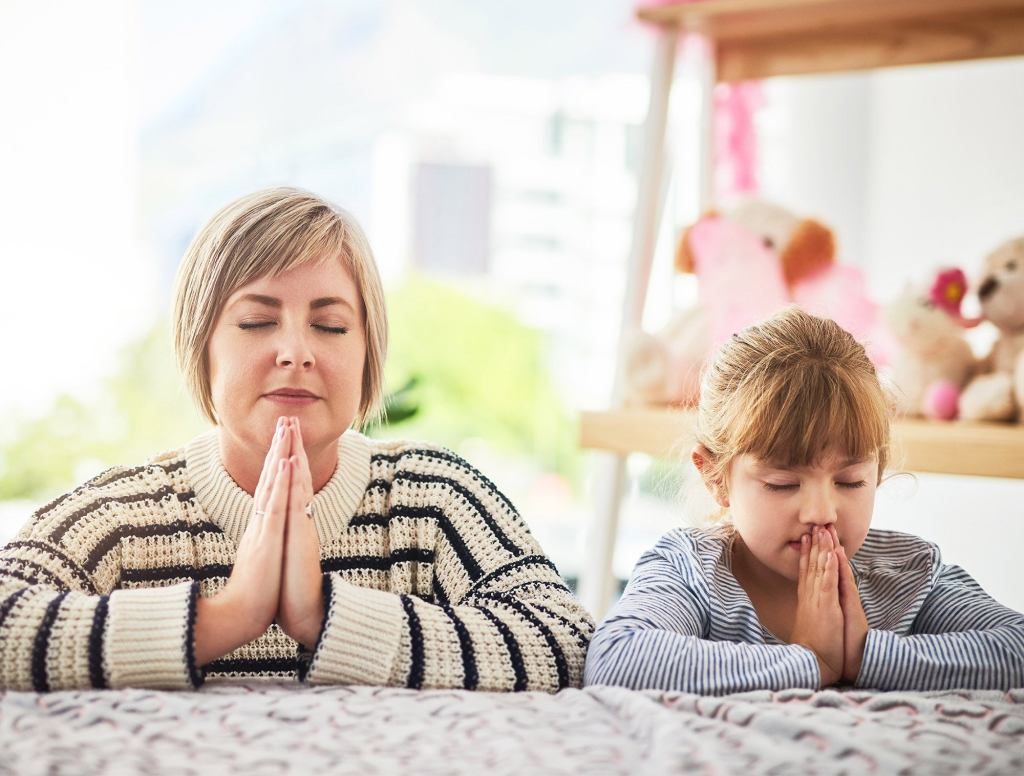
x,y
934,360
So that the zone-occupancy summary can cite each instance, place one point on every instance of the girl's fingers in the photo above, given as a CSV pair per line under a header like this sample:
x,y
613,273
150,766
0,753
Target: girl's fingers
x,y
831,578
805,549
826,540
847,584
812,552
835,536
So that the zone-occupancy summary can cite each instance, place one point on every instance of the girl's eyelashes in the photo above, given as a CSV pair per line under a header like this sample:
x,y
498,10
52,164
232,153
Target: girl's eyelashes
x,y
793,486
330,329
246,325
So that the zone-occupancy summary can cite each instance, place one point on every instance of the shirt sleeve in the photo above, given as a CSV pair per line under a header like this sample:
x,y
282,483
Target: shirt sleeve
x,y
500,617
63,623
961,639
656,637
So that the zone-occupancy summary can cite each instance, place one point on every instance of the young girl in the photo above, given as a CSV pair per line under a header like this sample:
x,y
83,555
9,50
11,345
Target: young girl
x,y
790,588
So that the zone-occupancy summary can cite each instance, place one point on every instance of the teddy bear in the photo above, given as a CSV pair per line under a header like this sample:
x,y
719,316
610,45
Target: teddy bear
x,y
997,391
749,263
933,361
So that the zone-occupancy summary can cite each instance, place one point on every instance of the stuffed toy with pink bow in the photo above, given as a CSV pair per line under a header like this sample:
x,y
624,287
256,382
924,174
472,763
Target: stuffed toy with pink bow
x,y
933,360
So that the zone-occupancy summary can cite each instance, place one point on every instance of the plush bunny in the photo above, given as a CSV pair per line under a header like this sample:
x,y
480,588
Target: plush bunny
x,y
997,392
933,361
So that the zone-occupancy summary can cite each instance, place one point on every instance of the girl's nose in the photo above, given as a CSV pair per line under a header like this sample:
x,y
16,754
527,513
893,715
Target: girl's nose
x,y
818,509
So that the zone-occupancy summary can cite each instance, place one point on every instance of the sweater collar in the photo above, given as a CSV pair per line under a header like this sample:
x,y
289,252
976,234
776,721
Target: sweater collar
x,y
229,507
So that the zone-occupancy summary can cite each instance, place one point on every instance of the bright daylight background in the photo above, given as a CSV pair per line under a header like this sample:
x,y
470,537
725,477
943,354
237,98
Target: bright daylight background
x,y
491,150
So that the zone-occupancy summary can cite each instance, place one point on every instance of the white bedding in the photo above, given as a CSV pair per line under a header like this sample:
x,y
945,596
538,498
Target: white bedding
x,y
272,729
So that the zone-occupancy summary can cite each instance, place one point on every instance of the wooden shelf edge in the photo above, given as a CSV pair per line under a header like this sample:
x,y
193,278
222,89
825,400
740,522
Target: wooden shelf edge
x,y
766,38
974,449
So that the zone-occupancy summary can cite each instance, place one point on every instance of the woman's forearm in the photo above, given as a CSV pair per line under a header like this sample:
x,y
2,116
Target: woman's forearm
x,y
219,629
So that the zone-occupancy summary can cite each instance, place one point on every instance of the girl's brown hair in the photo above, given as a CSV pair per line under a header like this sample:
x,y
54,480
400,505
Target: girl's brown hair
x,y
788,389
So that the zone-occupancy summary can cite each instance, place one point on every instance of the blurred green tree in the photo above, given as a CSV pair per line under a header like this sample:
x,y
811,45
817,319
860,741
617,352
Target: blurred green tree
x,y
479,373
141,409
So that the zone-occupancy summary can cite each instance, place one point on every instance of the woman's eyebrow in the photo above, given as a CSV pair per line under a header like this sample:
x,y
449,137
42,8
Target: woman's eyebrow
x,y
269,301
327,301
273,301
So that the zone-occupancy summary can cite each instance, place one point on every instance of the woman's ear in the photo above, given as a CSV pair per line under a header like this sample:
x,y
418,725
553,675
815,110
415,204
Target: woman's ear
x,y
703,460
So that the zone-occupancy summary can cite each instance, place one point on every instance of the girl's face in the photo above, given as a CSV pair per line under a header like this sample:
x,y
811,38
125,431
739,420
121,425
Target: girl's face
x,y
773,506
292,344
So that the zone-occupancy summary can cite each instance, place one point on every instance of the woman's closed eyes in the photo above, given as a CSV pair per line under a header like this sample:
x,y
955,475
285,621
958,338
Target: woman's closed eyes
x,y
322,327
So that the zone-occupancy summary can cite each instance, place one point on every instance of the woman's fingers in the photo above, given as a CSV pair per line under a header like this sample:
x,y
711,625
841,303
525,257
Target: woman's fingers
x,y
270,465
277,505
303,474
297,498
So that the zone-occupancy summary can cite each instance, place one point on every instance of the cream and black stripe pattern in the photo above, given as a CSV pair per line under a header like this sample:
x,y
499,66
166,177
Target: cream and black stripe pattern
x,y
431,579
684,623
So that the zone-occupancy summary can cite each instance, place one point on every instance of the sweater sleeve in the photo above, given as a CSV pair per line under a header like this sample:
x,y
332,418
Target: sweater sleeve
x,y
63,622
500,618
961,639
657,637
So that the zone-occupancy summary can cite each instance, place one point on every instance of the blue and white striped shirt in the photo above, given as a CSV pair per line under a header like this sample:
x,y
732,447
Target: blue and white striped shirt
x,y
684,623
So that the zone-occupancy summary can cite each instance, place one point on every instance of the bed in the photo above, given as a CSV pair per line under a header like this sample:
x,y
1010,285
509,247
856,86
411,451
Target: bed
x,y
271,729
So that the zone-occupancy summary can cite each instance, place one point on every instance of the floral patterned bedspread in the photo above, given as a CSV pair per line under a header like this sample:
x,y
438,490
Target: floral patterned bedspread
x,y
273,729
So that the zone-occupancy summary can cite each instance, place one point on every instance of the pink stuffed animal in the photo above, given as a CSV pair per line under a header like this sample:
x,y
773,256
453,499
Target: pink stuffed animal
x,y
749,265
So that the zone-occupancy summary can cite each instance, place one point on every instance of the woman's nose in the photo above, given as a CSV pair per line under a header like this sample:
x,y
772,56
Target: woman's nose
x,y
293,350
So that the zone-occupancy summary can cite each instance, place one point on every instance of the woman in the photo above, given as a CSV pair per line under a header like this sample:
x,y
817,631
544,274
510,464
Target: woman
x,y
283,543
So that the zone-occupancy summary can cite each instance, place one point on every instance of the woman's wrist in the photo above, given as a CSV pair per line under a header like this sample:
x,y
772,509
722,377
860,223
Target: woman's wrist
x,y
219,628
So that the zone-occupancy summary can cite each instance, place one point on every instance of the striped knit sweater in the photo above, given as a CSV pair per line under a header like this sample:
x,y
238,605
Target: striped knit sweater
x,y
431,579
684,623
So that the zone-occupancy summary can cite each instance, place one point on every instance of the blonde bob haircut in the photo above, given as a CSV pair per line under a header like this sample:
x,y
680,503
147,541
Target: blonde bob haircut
x,y
267,233
788,389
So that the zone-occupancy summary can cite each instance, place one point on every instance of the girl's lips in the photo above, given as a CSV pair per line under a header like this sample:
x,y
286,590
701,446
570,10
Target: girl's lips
x,y
795,545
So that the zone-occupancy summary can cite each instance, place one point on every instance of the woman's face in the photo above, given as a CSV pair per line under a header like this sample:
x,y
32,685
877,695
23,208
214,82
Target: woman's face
x,y
293,344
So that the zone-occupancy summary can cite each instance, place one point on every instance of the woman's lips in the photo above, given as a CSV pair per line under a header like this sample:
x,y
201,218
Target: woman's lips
x,y
291,398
